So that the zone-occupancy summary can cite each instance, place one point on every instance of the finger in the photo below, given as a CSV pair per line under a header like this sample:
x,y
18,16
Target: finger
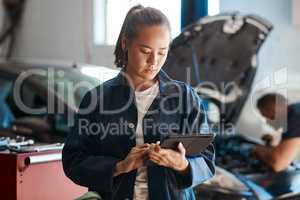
x,y
156,161
140,148
171,156
152,146
158,154
166,152
135,154
135,151
154,155
139,152
159,160
155,158
137,148
181,148
157,148
142,145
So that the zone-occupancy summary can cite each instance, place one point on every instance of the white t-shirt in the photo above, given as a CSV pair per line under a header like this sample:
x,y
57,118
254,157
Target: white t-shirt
x,y
143,101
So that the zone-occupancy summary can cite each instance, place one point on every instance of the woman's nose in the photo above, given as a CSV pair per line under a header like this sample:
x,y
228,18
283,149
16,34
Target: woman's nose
x,y
153,59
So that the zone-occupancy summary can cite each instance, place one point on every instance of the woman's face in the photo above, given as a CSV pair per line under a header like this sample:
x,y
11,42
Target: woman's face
x,y
147,52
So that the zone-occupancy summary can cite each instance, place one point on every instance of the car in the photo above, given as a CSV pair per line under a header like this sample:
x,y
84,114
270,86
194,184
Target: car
x,y
38,99
217,56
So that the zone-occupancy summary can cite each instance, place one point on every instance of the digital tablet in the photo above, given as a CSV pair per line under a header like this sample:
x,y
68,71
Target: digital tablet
x,y
194,144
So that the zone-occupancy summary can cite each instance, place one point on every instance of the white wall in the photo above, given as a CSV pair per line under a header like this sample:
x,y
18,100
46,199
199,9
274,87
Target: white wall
x,y
60,30
280,51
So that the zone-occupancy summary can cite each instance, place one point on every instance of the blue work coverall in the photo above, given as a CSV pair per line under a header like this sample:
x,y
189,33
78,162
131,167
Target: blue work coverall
x,y
105,133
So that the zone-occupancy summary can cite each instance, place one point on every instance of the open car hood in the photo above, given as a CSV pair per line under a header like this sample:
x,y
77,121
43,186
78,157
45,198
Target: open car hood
x,y
217,55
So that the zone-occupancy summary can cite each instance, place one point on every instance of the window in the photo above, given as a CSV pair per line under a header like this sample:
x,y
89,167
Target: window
x,y
99,22
213,7
109,16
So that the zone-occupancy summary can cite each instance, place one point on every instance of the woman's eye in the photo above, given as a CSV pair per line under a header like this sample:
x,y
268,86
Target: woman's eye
x,y
161,53
145,52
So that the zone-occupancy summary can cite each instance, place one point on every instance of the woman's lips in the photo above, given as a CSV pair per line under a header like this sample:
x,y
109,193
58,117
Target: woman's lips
x,y
151,69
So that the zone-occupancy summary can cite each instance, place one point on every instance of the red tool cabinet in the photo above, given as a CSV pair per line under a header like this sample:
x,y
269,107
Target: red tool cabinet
x,y
35,176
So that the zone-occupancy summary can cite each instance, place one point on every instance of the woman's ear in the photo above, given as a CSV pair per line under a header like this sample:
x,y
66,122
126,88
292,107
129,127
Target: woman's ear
x,y
124,42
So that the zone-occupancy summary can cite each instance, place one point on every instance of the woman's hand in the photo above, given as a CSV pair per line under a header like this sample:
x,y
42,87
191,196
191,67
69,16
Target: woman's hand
x,y
169,158
133,160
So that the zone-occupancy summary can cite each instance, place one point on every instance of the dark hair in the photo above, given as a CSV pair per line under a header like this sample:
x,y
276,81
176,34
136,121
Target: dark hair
x,y
270,98
137,17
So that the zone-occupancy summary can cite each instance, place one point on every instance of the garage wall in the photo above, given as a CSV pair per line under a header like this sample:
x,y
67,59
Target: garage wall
x,y
60,30
278,58
296,14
